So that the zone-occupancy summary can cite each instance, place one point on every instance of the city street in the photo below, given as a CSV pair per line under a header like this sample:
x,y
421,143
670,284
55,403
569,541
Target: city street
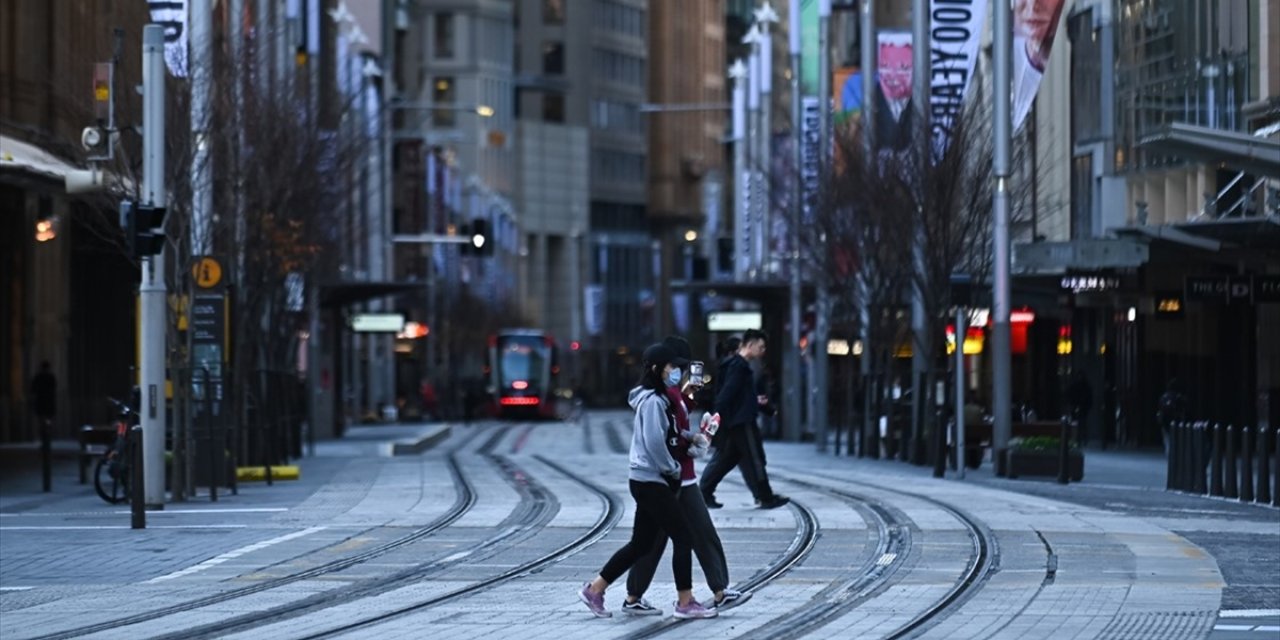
x,y
491,532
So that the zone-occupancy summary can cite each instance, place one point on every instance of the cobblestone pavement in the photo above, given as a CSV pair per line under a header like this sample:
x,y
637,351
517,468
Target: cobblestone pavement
x,y
421,538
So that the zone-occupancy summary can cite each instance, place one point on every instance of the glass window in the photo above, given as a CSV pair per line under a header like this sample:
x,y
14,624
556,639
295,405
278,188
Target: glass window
x,y
553,11
553,57
444,41
444,94
553,107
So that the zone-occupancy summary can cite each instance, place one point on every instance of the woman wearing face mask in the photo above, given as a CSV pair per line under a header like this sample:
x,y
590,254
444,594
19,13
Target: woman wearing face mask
x,y
654,484
706,541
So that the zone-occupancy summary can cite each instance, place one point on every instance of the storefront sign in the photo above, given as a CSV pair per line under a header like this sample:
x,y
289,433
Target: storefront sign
x,y
1234,289
1168,304
1080,284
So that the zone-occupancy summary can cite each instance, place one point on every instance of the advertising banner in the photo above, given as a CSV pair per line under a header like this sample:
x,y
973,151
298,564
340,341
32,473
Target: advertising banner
x,y
1035,25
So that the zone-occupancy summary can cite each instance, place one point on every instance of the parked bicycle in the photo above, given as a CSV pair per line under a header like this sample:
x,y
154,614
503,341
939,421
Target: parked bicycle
x,y
111,476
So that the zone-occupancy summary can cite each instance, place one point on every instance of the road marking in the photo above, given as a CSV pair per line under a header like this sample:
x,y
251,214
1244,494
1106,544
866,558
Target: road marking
x,y
15,588
233,554
1233,627
886,559
99,527
1267,627
1248,613
457,556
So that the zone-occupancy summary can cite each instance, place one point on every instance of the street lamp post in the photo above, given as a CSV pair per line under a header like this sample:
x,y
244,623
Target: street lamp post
x,y
791,354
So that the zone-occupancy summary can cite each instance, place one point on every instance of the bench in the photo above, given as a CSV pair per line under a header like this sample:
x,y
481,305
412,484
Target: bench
x,y
94,442
977,437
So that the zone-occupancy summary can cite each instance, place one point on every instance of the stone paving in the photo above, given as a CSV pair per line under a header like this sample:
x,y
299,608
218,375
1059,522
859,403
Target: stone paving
x,y
1067,565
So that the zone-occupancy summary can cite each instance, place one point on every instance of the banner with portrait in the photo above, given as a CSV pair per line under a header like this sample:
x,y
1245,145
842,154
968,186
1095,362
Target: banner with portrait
x,y
1035,25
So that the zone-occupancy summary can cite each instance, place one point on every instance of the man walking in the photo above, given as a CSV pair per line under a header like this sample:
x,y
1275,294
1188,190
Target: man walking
x,y
739,445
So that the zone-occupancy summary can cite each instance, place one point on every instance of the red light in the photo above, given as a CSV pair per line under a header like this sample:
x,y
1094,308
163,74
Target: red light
x,y
575,345
519,384
518,402
555,370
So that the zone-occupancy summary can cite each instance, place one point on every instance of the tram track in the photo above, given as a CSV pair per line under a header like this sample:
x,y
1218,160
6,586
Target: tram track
x,y
892,556
465,500
537,506
608,519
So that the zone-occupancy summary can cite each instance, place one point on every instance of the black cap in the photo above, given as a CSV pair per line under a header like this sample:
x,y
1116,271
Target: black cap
x,y
661,355
680,347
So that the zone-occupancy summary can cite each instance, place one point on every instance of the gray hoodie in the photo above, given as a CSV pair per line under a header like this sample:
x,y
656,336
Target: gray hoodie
x,y
650,460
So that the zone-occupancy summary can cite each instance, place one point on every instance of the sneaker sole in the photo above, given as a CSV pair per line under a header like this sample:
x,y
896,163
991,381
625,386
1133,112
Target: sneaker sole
x,y
642,612
687,616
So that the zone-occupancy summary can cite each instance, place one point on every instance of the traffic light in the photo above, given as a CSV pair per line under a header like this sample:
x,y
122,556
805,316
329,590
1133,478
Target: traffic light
x,y
481,240
143,228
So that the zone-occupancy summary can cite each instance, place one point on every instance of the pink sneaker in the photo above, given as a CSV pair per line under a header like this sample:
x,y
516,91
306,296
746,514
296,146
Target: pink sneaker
x,y
594,601
694,610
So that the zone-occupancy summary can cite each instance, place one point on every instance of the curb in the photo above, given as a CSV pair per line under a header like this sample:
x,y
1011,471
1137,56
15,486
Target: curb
x,y
424,442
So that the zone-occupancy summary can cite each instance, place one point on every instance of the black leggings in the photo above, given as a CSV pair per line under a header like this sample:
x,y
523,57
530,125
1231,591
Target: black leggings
x,y
658,512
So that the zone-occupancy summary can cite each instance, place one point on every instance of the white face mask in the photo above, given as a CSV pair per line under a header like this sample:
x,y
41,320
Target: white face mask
x,y
673,378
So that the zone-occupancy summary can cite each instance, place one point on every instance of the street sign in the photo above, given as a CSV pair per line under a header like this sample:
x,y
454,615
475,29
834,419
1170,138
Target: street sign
x,y
377,323
733,320
206,272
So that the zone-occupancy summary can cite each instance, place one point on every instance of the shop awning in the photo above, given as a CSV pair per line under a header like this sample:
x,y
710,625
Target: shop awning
x,y
1241,151
27,158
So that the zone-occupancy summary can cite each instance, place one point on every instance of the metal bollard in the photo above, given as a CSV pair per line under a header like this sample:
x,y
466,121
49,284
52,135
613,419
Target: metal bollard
x,y
1063,476
1246,464
1197,470
138,499
1275,479
1184,459
1264,466
1230,479
1215,463
1171,457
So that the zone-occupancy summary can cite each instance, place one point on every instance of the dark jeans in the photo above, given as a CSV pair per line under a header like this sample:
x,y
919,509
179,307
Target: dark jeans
x,y
741,447
658,513
706,544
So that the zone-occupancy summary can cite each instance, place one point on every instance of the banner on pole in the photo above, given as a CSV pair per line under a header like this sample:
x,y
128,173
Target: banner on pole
x,y
1035,25
955,31
172,15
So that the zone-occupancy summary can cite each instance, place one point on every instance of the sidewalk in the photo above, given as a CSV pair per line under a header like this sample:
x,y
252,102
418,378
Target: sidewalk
x,y
20,468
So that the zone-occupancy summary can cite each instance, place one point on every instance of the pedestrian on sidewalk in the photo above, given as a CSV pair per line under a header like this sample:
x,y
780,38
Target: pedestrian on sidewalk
x,y
1172,408
706,541
739,405
654,484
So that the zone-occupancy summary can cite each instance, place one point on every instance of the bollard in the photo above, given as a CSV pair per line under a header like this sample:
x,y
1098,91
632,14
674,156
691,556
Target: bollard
x,y
1183,439
1275,479
1063,476
1171,457
1198,457
1215,463
208,425
1230,479
137,499
1246,464
1264,466
46,454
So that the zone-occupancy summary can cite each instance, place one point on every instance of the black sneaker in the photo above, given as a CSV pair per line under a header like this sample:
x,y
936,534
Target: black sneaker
x,y
711,502
773,502
730,598
640,607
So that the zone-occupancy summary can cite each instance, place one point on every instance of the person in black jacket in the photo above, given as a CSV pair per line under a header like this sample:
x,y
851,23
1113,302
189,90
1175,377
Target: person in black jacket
x,y
739,437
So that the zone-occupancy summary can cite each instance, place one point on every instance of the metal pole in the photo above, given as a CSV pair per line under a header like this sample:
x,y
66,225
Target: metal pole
x,y
753,152
741,185
791,354
201,166
152,289
1000,351
922,342
822,312
961,331
863,286
137,471
766,137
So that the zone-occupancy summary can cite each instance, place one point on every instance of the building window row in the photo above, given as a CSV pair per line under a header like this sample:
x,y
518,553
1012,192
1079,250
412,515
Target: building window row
x,y
618,166
616,115
619,67
620,18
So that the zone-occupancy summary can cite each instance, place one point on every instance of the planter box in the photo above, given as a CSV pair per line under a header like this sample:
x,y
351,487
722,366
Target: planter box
x,y
1021,462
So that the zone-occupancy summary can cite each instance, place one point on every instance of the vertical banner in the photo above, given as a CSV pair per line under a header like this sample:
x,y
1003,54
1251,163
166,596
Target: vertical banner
x,y
895,118
172,15
1035,25
956,28
810,141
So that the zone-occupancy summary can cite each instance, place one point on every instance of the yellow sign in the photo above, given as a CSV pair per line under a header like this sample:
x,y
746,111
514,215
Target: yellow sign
x,y
207,272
